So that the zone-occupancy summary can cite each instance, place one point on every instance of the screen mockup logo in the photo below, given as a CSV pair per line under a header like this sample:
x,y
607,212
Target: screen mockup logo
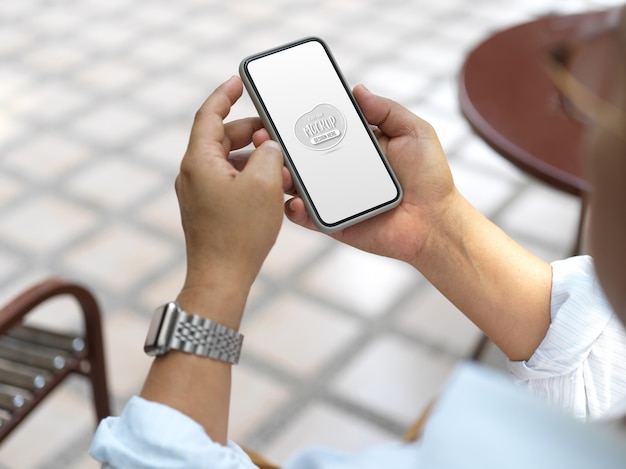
x,y
321,128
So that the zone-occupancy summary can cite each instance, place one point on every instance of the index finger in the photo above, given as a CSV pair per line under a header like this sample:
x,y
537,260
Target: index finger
x,y
208,125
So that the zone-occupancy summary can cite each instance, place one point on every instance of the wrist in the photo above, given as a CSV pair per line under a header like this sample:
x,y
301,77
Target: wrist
x,y
446,227
228,265
221,300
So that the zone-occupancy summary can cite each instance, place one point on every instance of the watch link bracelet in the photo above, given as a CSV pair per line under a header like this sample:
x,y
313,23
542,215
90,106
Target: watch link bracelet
x,y
174,329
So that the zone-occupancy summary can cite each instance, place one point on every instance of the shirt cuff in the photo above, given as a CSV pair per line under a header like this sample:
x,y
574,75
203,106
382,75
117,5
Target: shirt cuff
x,y
579,313
152,435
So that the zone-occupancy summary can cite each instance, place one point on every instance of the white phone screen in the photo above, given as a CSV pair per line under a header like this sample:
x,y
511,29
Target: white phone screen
x,y
327,143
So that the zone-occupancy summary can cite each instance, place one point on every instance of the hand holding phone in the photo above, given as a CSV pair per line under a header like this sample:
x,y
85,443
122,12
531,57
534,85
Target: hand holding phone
x,y
337,167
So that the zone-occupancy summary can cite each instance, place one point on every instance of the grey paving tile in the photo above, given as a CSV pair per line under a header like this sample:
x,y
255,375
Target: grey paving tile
x,y
305,335
113,183
44,224
311,428
112,124
543,214
100,95
367,285
394,377
46,156
9,189
255,396
435,321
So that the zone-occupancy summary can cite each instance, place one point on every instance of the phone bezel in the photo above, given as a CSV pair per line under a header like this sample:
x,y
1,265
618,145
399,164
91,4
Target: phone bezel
x,y
296,177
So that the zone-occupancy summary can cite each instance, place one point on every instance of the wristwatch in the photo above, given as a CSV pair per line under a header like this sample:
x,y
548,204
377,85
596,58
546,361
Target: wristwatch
x,y
174,329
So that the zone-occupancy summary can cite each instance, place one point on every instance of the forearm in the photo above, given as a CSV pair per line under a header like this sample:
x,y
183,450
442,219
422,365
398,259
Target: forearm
x,y
229,231
500,286
198,386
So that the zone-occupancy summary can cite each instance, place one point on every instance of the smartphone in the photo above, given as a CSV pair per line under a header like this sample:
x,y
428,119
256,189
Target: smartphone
x,y
336,164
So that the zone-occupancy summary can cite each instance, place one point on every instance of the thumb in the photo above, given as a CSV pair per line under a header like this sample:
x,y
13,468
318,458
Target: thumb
x,y
390,117
266,162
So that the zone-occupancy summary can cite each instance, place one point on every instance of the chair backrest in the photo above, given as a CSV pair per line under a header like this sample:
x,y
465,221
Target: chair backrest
x,y
34,360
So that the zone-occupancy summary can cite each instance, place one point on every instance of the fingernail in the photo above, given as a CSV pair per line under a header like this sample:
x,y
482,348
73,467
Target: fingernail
x,y
273,144
289,205
231,79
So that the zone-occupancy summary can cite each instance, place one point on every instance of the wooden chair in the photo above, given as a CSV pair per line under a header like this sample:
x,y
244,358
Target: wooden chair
x,y
509,100
34,361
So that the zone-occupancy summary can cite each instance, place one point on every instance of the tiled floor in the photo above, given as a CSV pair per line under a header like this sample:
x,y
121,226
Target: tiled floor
x,y
96,101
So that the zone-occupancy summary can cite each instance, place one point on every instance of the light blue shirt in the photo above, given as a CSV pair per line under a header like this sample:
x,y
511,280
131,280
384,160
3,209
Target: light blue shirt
x,y
481,420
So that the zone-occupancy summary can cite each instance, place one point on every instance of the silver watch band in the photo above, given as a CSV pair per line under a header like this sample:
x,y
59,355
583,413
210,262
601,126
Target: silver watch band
x,y
200,336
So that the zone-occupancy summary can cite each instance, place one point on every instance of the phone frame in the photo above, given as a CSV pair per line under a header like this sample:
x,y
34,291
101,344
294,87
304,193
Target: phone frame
x,y
297,180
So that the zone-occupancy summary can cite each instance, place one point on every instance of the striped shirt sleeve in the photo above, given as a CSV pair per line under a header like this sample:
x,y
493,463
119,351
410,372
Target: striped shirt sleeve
x,y
581,363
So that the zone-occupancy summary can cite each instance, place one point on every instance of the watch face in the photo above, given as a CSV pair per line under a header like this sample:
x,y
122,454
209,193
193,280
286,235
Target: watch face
x,y
156,339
